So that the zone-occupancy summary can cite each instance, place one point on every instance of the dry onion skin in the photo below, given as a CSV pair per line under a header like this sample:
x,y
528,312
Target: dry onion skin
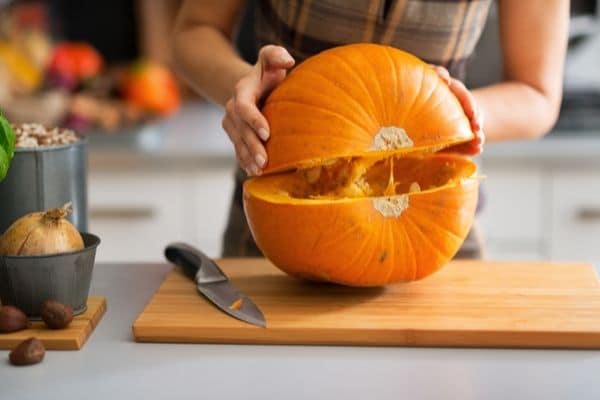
x,y
41,233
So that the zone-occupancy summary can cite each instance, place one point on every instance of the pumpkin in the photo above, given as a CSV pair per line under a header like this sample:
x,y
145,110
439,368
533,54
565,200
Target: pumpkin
x,y
356,191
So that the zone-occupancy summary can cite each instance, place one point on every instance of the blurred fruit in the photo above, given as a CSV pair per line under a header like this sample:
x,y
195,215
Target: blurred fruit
x,y
151,87
73,62
22,70
37,46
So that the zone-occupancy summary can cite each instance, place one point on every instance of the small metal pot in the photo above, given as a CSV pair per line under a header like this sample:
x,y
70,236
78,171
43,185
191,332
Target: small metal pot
x,y
45,177
27,281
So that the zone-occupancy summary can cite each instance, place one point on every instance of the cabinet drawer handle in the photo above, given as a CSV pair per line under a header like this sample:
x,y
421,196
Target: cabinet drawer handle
x,y
122,213
588,214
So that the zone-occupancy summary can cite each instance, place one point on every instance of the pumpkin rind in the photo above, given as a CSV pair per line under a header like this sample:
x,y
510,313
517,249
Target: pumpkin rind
x,y
336,103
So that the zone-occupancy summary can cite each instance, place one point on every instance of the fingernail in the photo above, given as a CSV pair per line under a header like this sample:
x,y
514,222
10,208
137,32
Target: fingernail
x,y
263,133
260,160
286,59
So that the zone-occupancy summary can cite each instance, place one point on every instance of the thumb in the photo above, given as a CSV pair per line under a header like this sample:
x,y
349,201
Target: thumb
x,y
273,63
273,57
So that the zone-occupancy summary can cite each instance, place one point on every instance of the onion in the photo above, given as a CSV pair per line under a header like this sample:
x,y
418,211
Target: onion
x,y
41,233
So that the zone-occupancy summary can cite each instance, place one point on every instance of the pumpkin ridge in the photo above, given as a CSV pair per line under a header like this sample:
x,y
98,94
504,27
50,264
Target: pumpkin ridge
x,y
440,227
385,117
424,237
394,73
405,243
346,233
322,110
362,82
413,98
358,107
410,246
434,88
390,231
338,238
372,256
430,107
417,93
360,268
317,240
357,254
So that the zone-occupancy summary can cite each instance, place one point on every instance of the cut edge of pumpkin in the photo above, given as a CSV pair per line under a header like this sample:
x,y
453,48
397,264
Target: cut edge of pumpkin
x,y
273,189
402,150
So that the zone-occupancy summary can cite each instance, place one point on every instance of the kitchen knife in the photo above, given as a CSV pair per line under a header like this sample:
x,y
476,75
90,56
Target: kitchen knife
x,y
214,284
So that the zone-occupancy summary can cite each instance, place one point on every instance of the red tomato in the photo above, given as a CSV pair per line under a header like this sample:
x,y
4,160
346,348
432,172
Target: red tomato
x,y
75,61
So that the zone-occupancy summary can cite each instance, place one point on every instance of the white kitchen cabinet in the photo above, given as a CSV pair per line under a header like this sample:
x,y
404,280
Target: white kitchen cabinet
x,y
514,251
213,190
136,214
575,228
512,199
512,218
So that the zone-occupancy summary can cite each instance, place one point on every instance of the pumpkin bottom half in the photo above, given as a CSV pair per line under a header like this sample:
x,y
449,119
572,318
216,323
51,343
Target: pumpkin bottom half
x,y
364,221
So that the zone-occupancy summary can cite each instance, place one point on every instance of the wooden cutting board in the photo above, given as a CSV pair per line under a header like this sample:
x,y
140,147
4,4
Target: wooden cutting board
x,y
71,338
466,304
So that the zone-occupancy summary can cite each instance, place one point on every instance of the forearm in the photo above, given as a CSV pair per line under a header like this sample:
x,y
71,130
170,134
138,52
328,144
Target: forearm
x,y
514,110
208,62
534,40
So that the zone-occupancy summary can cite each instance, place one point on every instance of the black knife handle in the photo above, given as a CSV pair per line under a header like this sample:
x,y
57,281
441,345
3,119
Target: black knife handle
x,y
190,259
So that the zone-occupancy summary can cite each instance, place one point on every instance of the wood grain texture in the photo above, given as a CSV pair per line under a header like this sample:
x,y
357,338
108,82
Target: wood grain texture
x,y
71,338
466,304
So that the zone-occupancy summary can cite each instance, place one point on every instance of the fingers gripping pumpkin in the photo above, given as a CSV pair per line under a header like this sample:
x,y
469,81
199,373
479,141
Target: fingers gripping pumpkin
x,y
354,191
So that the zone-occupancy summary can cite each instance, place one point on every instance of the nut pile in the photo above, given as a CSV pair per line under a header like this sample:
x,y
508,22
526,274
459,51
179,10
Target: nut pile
x,y
37,135
55,315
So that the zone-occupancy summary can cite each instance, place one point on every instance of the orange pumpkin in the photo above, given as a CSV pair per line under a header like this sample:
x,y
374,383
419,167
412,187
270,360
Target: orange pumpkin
x,y
354,191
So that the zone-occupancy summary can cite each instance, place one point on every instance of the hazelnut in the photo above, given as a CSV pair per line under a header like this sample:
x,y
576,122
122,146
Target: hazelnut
x,y
28,352
56,315
12,319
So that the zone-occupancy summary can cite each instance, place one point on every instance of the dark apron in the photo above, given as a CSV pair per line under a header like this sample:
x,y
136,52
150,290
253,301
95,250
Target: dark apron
x,y
238,241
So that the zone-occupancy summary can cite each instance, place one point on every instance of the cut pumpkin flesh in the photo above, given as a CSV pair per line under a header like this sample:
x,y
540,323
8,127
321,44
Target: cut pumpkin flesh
x,y
364,222
357,178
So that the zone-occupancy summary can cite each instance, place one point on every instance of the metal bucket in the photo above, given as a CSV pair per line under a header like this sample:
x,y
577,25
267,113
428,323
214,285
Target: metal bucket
x,y
45,177
27,281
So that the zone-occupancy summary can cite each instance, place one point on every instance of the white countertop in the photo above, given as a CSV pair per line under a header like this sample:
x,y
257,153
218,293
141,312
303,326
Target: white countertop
x,y
112,365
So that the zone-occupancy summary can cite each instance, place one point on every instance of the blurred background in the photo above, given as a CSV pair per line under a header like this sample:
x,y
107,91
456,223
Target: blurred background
x,y
160,169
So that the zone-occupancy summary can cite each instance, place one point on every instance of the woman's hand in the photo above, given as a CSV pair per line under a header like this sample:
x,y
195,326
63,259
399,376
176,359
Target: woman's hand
x,y
245,125
466,99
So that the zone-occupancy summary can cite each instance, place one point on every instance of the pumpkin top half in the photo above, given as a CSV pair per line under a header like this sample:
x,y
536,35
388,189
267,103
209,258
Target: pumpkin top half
x,y
360,100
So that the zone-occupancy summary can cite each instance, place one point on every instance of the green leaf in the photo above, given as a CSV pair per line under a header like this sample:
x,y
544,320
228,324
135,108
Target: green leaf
x,y
7,146
4,162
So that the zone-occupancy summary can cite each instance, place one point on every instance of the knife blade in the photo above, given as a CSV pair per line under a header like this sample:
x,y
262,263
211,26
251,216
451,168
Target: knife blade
x,y
213,284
